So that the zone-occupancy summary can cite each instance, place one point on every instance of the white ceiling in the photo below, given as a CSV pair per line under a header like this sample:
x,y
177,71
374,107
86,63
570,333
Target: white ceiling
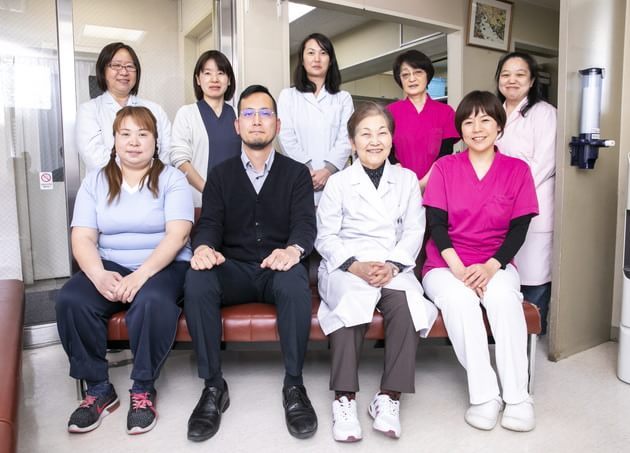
x,y
333,23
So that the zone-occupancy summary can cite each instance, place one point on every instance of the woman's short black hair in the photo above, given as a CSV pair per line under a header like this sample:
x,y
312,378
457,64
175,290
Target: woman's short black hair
x,y
534,94
416,60
223,64
333,76
476,102
106,56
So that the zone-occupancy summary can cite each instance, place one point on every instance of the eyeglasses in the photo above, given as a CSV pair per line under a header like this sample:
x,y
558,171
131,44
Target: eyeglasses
x,y
416,74
264,113
119,67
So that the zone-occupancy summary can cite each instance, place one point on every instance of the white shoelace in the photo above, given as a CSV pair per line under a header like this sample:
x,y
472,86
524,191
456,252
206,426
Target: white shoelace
x,y
345,411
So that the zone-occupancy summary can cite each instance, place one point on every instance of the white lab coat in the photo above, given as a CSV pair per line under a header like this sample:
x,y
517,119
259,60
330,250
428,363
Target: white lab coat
x,y
314,129
533,139
94,134
356,219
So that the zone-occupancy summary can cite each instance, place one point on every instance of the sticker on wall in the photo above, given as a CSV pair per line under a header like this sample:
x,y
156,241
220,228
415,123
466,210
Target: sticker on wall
x,y
45,180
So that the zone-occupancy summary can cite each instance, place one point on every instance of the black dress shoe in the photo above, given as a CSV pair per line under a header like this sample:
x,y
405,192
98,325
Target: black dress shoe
x,y
206,417
298,411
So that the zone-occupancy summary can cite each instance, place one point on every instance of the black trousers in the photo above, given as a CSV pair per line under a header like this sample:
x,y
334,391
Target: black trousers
x,y
236,282
82,315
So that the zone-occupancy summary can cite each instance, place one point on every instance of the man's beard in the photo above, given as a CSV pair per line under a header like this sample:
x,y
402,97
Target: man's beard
x,y
258,144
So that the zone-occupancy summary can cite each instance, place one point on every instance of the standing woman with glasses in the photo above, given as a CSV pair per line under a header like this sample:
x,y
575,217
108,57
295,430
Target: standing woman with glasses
x,y
530,135
314,113
203,132
118,75
425,129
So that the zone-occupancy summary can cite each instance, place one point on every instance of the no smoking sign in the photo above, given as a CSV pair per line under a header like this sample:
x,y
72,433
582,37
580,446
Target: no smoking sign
x,y
45,180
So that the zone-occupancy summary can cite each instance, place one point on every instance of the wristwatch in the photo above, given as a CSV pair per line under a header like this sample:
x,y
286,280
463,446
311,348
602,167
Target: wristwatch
x,y
299,249
395,269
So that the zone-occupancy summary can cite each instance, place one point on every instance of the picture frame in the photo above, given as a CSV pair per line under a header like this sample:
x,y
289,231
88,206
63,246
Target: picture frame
x,y
489,24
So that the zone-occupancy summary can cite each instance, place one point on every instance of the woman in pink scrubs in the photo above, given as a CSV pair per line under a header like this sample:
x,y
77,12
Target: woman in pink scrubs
x,y
424,128
479,206
530,135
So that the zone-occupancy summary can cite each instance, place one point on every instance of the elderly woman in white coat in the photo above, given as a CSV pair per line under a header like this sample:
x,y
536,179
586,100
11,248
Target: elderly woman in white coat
x,y
370,223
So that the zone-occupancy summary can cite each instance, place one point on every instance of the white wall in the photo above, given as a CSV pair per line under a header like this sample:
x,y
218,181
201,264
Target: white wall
x,y
586,206
623,145
263,44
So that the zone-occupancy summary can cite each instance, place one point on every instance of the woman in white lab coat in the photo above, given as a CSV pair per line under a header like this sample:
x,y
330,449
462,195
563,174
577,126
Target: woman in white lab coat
x,y
314,112
530,135
370,223
118,76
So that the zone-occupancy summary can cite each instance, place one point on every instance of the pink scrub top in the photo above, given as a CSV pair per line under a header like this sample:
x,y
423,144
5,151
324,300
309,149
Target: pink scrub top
x,y
479,211
418,136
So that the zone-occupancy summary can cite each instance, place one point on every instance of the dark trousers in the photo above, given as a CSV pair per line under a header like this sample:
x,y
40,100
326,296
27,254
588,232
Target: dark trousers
x,y
540,296
401,344
236,282
82,315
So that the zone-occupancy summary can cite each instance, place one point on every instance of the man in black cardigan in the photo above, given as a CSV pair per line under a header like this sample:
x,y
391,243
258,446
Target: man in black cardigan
x,y
257,223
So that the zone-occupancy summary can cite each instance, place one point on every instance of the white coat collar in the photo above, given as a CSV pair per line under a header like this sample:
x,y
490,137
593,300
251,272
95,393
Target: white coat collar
x,y
315,100
516,113
109,99
366,188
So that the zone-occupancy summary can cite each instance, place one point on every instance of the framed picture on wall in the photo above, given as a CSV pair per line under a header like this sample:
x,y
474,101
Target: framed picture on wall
x,y
489,24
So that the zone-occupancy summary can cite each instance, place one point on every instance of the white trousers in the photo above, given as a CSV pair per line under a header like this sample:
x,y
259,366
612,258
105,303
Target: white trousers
x,y
464,322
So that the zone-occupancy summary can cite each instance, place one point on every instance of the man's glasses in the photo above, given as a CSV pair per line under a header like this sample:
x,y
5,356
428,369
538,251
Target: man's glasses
x,y
264,113
119,67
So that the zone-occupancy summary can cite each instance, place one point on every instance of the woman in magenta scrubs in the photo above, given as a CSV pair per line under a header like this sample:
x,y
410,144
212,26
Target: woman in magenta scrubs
x,y
479,205
424,129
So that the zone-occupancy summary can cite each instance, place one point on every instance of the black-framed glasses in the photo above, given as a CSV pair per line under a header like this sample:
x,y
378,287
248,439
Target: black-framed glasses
x,y
119,67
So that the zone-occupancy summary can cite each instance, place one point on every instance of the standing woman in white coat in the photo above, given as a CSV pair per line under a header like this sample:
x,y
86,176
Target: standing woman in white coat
x,y
203,132
314,113
370,224
118,76
530,135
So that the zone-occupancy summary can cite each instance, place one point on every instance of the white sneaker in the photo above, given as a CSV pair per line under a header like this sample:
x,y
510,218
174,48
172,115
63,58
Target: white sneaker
x,y
485,415
519,417
346,427
386,414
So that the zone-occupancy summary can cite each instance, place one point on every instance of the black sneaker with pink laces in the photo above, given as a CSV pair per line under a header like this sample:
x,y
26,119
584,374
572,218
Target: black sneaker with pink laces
x,y
91,411
142,415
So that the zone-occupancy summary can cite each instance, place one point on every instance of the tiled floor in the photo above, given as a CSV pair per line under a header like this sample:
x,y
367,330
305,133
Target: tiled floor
x,y
581,406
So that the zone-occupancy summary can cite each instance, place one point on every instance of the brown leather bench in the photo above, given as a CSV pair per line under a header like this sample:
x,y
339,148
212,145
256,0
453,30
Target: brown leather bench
x,y
11,325
256,322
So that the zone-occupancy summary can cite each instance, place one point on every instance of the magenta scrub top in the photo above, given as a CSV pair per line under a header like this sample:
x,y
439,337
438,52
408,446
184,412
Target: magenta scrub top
x,y
418,136
479,211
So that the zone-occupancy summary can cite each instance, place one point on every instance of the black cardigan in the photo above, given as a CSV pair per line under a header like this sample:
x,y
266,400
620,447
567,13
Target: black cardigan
x,y
247,226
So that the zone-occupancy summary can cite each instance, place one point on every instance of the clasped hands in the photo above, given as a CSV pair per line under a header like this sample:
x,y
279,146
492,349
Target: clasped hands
x,y
375,273
206,258
116,288
320,177
477,276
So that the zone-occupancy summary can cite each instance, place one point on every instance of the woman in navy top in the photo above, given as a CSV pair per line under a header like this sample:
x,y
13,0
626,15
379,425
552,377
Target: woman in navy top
x,y
203,133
